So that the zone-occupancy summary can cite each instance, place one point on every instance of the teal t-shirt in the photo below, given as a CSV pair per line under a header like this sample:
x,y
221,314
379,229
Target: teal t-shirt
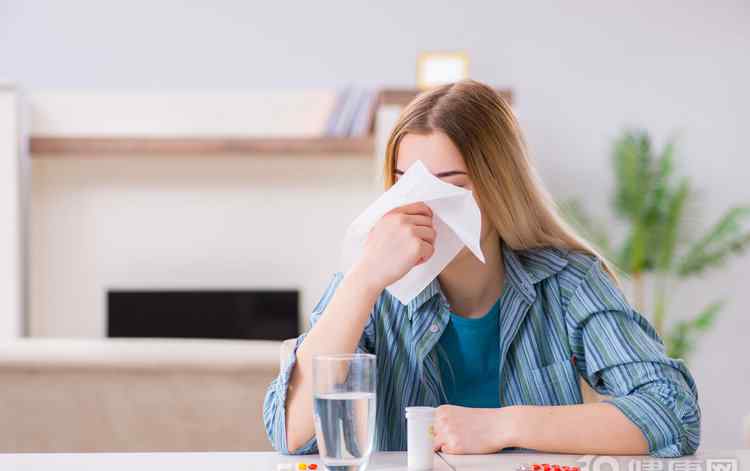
x,y
469,358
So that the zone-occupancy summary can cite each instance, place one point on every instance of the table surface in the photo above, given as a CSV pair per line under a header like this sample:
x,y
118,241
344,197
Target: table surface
x,y
714,460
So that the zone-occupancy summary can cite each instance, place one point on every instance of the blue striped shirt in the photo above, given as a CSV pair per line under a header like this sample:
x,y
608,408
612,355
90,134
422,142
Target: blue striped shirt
x,y
562,318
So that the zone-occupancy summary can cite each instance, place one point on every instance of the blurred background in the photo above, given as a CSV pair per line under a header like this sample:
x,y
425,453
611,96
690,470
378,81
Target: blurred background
x,y
187,170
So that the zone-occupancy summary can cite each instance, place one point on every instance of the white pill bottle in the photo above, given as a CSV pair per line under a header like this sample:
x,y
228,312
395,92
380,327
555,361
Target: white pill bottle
x,y
420,437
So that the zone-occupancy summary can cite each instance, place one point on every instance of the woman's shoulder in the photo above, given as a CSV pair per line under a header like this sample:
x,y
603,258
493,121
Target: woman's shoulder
x,y
566,265
580,265
583,280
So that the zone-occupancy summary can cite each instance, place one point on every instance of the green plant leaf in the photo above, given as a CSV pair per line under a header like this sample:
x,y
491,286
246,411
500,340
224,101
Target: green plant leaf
x,y
671,224
648,199
706,318
679,343
632,160
633,256
724,238
682,338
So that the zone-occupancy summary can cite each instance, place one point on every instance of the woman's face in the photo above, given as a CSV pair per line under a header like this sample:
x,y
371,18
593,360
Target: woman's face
x,y
438,153
443,159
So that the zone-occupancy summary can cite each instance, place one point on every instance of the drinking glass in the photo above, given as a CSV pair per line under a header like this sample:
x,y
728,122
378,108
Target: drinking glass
x,y
344,388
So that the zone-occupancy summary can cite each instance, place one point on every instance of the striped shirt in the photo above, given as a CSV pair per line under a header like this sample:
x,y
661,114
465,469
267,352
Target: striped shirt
x,y
561,318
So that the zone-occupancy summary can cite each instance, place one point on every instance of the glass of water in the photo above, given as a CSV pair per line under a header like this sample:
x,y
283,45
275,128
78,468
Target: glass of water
x,y
344,402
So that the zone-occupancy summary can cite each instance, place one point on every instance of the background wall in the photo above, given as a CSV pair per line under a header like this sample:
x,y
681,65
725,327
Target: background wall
x,y
13,201
581,71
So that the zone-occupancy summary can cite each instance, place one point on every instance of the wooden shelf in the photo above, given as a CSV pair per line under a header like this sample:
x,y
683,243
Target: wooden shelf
x,y
402,96
48,146
55,146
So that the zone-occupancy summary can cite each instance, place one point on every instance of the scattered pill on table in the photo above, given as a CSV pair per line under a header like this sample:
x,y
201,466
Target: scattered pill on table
x,y
547,467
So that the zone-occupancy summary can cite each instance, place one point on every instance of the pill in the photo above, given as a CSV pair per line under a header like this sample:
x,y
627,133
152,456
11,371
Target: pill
x,y
301,466
312,466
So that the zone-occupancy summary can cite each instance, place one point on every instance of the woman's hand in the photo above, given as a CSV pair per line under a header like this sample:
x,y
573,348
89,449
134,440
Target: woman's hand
x,y
402,239
466,430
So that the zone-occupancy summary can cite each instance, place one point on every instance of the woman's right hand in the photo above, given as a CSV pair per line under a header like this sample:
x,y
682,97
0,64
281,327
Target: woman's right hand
x,y
401,240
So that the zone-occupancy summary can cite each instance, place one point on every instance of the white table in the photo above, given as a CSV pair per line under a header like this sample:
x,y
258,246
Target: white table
x,y
740,460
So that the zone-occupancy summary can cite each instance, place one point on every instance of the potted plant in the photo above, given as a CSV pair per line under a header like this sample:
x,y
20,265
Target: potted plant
x,y
651,199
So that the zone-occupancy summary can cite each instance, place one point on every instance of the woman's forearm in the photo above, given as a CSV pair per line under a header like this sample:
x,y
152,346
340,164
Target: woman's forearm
x,y
337,331
598,428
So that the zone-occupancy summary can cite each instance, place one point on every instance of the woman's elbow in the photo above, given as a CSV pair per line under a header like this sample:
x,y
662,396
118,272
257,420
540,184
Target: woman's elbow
x,y
691,429
682,402
669,422
294,443
299,436
273,419
285,438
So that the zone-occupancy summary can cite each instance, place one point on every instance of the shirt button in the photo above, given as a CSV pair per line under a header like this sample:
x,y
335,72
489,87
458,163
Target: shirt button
x,y
434,328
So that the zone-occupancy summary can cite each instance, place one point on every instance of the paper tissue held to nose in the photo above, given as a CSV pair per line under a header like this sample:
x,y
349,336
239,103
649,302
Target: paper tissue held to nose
x,y
457,222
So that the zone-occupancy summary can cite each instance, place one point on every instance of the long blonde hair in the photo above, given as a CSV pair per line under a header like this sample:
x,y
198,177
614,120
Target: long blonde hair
x,y
483,127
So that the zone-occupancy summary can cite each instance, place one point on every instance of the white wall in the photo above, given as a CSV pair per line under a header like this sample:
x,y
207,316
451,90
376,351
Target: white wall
x,y
12,217
581,71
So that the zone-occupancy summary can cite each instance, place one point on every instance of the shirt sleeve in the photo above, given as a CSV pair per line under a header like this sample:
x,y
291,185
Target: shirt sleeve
x,y
274,405
620,354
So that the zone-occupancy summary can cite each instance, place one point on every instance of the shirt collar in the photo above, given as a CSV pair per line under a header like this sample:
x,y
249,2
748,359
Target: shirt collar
x,y
523,269
526,268
430,291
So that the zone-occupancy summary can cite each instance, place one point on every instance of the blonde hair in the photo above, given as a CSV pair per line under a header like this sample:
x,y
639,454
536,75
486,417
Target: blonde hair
x,y
483,127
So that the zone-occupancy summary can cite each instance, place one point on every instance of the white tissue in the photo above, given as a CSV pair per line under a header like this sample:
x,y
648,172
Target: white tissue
x,y
457,222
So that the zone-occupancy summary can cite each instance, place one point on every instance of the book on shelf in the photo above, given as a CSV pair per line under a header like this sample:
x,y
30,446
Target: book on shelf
x,y
352,112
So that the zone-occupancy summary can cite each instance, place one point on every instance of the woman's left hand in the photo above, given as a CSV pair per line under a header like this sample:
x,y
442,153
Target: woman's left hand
x,y
466,430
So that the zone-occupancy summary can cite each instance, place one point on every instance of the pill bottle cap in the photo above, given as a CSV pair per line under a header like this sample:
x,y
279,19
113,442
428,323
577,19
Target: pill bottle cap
x,y
420,412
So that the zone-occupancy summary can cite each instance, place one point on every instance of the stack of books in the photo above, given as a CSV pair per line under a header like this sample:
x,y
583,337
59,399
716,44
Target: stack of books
x,y
352,113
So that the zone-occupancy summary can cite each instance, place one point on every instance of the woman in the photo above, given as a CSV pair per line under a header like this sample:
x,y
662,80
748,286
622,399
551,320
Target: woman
x,y
499,346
